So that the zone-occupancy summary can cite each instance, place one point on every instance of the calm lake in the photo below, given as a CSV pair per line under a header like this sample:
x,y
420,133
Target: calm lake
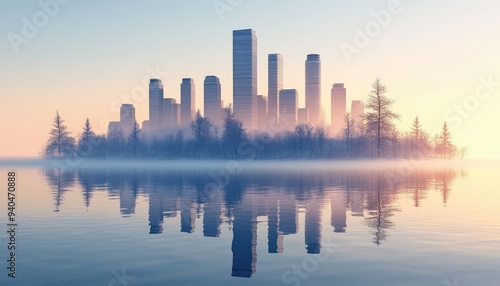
x,y
230,223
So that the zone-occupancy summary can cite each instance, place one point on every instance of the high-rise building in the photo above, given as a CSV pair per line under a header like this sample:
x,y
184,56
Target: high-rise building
x,y
313,88
127,118
177,113
114,128
288,101
155,104
245,77
170,113
262,120
187,101
275,84
338,108
212,99
357,111
303,115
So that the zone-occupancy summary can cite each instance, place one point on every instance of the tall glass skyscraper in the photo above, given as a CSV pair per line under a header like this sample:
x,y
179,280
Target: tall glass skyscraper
x,y
245,77
338,108
212,99
187,101
155,104
357,110
313,88
127,118
288,107
275,84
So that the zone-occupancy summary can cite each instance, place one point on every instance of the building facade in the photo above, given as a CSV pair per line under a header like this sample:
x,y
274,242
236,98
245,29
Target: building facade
x,y
155,104
338,109
187,101
313,88
288,101
212,99
275,84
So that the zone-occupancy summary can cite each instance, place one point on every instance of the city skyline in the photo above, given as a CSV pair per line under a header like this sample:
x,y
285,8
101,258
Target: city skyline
x,y
95,80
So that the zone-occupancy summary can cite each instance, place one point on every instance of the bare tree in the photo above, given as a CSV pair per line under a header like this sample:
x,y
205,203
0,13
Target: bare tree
x,y
348,131
379,116
60,142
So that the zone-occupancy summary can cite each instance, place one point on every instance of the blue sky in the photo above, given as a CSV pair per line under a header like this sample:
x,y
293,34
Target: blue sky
x,y
90,53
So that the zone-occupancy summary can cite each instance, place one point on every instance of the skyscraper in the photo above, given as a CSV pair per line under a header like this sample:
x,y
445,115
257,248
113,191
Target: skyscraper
x,y
262,120
303,115
187,101
245,77
288,102
155,104
338,108
275,84
212,99
313,88
169,113
127,118
357,110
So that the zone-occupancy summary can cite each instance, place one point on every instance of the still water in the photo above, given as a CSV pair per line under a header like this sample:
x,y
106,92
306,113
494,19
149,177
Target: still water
x,y
231,225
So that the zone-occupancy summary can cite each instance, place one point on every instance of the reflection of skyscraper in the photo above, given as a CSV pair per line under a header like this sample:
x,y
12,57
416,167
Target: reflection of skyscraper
x,y
357,203
155,213
127,118
313,88
212,99
188,210
313,226
338,201
212,212
338,108
244,245
155,104
288,107
288,223
245,77
274,238
127,201
275,84
187,101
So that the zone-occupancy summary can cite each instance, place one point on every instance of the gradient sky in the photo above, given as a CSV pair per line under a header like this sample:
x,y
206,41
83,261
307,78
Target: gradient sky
x,y
431,56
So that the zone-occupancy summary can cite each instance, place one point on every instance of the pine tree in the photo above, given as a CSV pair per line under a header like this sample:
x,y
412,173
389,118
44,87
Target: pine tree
x,y
60,143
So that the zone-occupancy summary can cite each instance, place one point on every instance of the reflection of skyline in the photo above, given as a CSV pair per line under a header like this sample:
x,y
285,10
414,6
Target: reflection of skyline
x,y
277,197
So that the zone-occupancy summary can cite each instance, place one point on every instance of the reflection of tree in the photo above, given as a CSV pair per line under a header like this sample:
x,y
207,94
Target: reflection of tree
x,y
443,183
60,181
380,209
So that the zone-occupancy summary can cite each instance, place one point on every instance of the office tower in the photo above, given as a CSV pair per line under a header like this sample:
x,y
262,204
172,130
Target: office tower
x,y
187,101
313,88
338,109
127,118
145,126
169,113
114,128
357,111
262,120
155,104
177,114
288,102
212,99
303,115
313,226
245,77
338,200
275,84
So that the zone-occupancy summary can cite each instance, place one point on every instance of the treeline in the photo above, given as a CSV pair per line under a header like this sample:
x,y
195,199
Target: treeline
x,y
376,136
